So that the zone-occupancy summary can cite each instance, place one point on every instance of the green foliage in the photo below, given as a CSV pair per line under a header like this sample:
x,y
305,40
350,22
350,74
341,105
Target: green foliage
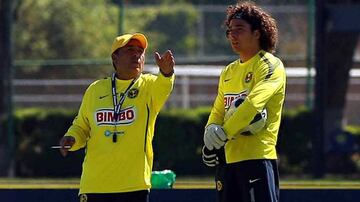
x,y
214,2
355,130
64,29
177,143
179,139
47,29
86,29
162,27
36,131
214,25
294,141
295,145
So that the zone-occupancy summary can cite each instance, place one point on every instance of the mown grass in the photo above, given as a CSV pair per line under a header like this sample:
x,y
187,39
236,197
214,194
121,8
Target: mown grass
x,y
186,182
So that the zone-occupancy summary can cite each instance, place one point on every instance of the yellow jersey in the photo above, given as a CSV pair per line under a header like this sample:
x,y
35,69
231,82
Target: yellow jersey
x,y
262,81
123,165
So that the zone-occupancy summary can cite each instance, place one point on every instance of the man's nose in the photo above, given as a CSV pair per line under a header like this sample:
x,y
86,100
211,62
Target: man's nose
x,y
231,35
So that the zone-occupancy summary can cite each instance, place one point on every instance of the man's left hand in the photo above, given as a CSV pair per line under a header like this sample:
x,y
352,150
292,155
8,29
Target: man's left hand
x,y
214,136
165,62
209,157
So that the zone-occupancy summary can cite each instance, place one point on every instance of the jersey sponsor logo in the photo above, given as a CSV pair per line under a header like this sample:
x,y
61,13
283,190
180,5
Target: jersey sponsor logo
x,y
248,77
107,117
133,93
230,97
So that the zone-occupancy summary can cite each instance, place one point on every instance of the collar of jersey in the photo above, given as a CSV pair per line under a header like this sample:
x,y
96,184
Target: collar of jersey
x,y
254,58
122,82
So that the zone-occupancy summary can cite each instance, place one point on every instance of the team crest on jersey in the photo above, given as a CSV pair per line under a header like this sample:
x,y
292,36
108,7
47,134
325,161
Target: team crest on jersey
x,y
230,97
106,116
219,185
133,93
83,198
248,77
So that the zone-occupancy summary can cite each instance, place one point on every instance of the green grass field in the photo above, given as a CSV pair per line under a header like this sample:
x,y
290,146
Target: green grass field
x,y
180,183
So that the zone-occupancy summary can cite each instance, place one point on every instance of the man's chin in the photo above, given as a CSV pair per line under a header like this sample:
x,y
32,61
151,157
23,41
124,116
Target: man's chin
x,y
136,74
235,49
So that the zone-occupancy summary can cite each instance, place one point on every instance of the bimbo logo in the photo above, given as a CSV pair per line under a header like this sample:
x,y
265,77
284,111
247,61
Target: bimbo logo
x,y
107,116
229,98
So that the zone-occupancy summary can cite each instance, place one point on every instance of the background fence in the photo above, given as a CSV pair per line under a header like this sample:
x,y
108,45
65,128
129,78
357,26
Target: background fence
x,y
195,85
200,46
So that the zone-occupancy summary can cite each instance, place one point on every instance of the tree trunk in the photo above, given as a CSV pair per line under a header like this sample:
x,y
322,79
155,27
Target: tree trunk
x,y
5,86
334,55
338,62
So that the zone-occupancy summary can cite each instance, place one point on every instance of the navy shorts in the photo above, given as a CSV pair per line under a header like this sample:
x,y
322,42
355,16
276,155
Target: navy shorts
x,y
248,181
136,196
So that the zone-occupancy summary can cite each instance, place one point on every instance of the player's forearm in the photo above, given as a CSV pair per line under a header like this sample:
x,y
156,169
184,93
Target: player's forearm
x,y
80,137
161,90
164,83
217,112
240,119
215,117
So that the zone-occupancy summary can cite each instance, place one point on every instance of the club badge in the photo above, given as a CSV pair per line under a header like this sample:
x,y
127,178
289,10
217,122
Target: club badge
x,y
83,198
219,185
248,77
133,93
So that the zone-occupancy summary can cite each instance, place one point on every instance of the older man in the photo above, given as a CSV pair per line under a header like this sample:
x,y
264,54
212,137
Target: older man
x,y
116,122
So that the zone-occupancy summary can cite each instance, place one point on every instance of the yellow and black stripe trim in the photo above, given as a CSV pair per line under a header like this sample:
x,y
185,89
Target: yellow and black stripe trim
x,y
271,66
147,124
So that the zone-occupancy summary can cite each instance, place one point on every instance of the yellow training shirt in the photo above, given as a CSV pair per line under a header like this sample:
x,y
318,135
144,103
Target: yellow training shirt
x,y
262,80
124,165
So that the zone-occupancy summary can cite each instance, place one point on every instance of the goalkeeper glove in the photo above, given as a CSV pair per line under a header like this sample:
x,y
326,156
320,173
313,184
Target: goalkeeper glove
x,y
214,136
209,157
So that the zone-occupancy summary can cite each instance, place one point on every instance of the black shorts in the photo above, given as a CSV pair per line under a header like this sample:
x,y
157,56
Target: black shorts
x,y
248,181
136,196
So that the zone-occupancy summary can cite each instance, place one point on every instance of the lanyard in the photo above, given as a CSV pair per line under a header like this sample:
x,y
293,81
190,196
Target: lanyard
x,y
117,105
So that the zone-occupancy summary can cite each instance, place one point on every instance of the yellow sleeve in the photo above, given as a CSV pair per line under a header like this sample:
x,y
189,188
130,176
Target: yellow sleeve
x,y
218,110
160,90
269,79
80,128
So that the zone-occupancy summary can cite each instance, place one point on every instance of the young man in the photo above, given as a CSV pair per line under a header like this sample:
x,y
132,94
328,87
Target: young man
x,y
116,122
246,161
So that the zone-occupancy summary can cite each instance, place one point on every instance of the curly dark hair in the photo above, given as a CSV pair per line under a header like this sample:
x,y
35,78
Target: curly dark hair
x,y
258,20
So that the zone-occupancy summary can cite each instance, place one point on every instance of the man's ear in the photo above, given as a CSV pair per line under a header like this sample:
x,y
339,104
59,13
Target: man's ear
x,y
257,34
143,57
113,56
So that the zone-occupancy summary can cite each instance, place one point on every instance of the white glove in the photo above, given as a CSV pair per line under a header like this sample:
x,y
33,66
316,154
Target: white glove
x,y
209,157
214,136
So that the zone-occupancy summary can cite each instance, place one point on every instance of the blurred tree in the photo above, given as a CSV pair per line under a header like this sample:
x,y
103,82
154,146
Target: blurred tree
x,y
335,52
163,28
340,47
65,29
6,15
211,2
86,28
